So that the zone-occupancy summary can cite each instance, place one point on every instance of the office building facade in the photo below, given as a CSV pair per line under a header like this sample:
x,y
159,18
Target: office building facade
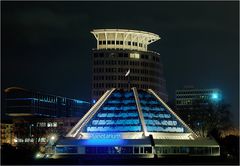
x,y
119,51
36,115
198,107
29,130
193,98
7,133
23,102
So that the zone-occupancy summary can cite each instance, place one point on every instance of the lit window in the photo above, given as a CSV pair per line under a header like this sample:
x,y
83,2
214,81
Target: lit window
x,y
49,124
54,124
134,55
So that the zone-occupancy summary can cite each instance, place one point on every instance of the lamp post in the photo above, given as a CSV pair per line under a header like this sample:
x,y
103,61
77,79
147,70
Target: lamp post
x,y
30,130
52,138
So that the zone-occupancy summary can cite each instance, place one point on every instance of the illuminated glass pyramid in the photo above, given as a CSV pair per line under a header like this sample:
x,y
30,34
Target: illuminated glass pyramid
x,y
131,114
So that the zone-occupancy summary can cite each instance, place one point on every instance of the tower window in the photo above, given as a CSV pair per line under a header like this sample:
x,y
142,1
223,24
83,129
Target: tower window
x,y
134,55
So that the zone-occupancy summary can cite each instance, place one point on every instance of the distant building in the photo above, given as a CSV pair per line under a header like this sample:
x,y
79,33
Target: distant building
x,y
23,102
36,115
40,130
192,98
119,50
196,107
7,133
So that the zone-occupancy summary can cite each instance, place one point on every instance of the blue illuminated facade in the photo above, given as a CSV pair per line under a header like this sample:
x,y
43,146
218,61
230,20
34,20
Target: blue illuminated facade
x,y
119,114
133,123
156,116
22,102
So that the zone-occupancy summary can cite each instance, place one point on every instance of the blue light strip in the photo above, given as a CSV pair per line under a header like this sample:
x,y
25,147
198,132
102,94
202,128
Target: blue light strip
x,y
103,142
47,101
22,99
81,102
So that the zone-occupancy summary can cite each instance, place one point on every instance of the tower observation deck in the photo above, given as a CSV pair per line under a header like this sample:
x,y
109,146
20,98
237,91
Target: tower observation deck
x,y
122,50
124,39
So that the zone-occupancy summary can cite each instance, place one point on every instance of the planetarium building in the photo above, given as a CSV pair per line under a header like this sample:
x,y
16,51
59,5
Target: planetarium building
x,y
132,123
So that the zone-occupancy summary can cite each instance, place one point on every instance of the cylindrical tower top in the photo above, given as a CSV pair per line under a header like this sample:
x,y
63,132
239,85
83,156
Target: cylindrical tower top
x,y
124,39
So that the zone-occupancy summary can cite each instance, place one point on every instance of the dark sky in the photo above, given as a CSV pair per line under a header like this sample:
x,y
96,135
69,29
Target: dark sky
x,y
46,46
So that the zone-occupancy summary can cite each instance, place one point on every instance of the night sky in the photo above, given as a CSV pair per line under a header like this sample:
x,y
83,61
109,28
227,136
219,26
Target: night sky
x,y
46,46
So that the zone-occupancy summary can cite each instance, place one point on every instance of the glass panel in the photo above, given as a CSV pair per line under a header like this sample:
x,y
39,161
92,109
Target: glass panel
x,y
118,114
141,149
136,149
156,116
102,150
69,149
147,149
91,150
125,150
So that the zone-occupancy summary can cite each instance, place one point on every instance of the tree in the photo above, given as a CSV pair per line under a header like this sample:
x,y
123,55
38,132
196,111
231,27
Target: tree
x,y
204,119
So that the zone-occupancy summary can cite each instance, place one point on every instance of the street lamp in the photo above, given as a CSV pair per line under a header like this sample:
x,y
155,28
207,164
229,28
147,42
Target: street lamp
x,y
38,155
53,138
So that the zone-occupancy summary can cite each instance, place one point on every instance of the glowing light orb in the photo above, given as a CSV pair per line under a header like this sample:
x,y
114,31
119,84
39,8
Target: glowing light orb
x,y
38,155
215,96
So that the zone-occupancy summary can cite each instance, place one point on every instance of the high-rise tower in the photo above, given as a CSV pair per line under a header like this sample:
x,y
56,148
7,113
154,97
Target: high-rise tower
x,y
119,50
